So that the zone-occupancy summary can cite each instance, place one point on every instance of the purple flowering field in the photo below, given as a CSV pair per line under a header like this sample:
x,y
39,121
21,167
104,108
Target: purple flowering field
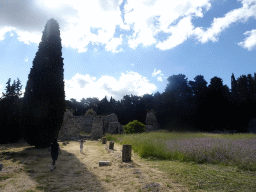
x,y
238,152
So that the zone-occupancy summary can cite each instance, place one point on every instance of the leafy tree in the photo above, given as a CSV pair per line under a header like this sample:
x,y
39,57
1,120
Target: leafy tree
x,y
134,127
44,99
90,112
199,85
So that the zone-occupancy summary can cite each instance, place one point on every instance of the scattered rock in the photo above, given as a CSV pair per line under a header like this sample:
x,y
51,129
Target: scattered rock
x,y
136,171
152,185
130,165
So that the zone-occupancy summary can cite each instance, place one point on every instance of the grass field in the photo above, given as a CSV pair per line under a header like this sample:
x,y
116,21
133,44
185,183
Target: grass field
x,y
211,162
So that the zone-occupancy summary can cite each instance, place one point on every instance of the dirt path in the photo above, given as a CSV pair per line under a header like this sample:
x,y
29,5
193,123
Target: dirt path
x,y
81,172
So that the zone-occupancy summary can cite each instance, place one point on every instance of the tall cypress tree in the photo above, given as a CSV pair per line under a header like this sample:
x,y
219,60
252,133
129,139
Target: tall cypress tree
x,y
44,98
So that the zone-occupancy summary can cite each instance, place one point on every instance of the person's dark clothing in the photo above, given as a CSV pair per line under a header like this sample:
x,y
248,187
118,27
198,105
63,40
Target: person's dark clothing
x,y
54,151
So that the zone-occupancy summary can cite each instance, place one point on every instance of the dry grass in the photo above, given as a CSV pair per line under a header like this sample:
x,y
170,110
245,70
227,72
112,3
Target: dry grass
x,y
28,169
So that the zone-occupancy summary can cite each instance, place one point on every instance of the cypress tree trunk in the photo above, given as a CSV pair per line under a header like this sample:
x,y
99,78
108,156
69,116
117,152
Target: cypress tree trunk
x,y
44,99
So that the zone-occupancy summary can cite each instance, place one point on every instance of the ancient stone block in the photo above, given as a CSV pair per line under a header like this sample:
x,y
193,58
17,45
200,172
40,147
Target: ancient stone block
x,y
97,130
104,140
151,121
126,153
107,119
111,145
104,163
114,127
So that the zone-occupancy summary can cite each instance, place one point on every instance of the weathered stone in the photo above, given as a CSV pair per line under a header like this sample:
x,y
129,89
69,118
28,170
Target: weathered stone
x,y
106,120
151,122
114,128
104,140
104,163
111,145
97,131
126,153
73,125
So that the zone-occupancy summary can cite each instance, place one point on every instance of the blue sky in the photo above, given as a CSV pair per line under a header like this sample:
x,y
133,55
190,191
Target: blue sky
x,y
123,47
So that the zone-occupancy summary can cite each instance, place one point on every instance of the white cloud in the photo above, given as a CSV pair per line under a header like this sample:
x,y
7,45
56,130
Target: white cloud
x,y
250,41
4,30
219,24
159,79
145,19
113,44
132,64
157,73
129,83
180,33
26,59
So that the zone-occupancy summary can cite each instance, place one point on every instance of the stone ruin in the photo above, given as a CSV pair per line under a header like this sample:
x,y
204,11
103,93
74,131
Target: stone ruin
x,y
151,122
96,125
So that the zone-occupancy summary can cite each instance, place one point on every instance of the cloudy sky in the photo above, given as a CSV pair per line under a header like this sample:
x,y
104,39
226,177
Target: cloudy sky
x,y
123,47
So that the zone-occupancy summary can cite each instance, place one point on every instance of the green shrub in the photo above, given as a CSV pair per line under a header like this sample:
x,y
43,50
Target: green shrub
x,y
134,127
90,112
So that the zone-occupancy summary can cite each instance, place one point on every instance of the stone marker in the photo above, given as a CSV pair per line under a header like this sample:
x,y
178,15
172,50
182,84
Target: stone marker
x,y
111,145
104,163
126,153
1,166
104,140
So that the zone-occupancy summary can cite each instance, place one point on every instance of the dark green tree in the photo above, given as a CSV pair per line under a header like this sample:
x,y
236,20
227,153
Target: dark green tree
x,y
199,85
10,112
44,99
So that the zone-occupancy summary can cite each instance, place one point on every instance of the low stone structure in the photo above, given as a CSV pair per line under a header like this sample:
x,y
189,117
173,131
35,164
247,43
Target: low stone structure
x,y
73,125
151,122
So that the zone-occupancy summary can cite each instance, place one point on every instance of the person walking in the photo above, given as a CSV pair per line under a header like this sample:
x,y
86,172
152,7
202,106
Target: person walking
x,y
81,145
55,150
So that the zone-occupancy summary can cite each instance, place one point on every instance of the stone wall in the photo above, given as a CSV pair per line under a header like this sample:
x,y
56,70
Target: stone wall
x,y
73,125
97,128
115,128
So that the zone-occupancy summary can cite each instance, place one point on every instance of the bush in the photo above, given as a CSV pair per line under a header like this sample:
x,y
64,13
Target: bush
x,y
90,112
134,127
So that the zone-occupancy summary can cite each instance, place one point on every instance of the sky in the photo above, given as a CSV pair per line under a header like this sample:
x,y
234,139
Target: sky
x,y
123,47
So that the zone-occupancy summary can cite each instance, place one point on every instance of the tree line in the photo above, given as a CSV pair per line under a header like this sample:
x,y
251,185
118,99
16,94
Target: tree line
x,y
187,103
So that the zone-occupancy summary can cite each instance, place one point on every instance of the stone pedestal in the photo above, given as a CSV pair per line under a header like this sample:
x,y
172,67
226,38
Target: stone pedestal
x,y
104,163
126,153
111,145
104,140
